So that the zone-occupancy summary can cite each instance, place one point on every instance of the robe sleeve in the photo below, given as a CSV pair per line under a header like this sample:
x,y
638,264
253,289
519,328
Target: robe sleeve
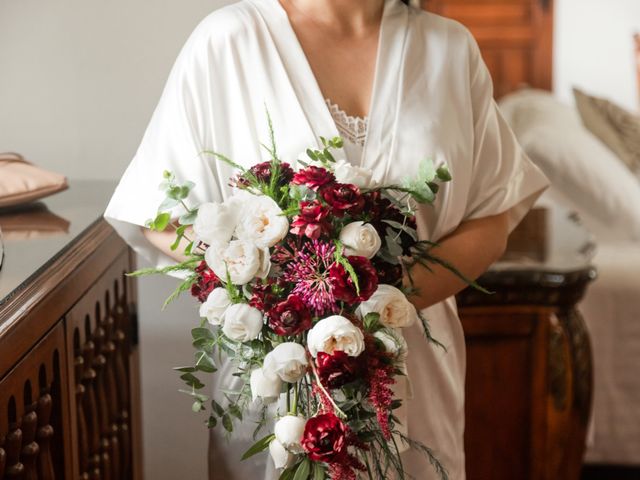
x,y
174,140
503,178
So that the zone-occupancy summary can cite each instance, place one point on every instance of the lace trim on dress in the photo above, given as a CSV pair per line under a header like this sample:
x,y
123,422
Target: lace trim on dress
x,y
352,129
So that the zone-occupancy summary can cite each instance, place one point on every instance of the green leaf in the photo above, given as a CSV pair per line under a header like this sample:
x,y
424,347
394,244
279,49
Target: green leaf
x,y
303,470
185,369
372,322
201,332
197,406
204,362
168,204
188,218
259,446
287,474
318,471
212,421
235,411
443,173
217,408
161,221
347,266
191,380
227,423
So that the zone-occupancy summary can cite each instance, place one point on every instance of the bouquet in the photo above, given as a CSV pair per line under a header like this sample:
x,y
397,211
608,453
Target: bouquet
x,y
300,278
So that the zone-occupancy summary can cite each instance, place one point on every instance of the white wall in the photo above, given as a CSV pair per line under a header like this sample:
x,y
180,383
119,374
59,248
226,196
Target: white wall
x,y
594,49
78,82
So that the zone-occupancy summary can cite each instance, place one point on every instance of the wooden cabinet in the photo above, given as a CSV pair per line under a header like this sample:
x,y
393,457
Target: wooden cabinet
x,y
515,37
69,400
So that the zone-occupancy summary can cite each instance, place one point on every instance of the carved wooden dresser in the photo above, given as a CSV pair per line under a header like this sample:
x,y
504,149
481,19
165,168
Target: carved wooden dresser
x,y
69,400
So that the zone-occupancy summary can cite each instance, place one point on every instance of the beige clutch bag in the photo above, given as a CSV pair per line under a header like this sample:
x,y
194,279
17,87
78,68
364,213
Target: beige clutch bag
x,y
22,182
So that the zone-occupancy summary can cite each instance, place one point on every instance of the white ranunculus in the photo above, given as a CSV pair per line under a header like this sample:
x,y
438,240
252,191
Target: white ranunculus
x,y
392,305
360,239
288,361
267,387
216,304
394,343
335,333
261,221
347,173
215,222
288,431
242,322
242,259
281,457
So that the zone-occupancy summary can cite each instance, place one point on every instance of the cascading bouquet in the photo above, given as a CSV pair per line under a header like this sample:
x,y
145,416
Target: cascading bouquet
x,y
299,275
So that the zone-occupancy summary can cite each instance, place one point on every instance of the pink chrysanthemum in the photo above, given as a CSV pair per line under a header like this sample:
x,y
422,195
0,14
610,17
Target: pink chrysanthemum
x,y
309,271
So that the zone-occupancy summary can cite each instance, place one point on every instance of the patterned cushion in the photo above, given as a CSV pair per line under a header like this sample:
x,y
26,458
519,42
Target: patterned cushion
x,y
614,126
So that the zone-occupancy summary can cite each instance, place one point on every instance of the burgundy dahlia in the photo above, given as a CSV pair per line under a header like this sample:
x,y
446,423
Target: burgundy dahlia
x,y
290,317
263,171
312,221
343,198
338,369
344,288
313,177
325,438
205,282
388,273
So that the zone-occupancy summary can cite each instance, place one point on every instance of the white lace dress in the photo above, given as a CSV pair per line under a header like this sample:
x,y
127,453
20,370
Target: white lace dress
x,y
353,131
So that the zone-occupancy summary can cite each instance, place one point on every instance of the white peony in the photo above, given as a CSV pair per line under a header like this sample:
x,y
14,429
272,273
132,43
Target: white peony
x,y
347,173
261,221
335,333
288,361
394,343
281,457
242,259
288,431
216,304
392,305
242,322
360,239
216,222
265,386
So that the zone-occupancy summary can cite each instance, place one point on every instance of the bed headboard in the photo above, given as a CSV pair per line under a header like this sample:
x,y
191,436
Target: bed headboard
x,y
516,38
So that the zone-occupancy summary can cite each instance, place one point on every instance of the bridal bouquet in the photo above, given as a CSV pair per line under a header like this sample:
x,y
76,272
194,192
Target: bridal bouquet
x,y
300,279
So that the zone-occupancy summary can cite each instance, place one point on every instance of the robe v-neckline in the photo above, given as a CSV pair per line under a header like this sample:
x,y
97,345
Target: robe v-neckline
x,y
385,95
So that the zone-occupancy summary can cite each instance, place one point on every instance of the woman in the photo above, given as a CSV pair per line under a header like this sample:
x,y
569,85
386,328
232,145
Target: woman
x,y
401,85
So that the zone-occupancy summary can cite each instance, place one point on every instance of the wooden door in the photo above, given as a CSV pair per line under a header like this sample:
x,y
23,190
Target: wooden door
x,y
515,37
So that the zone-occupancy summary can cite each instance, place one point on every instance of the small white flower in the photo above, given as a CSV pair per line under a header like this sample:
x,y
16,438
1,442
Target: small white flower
x,y
347,173
261,221
281,457
335,333
288,431
215,222
242,322
216,304
240,258
392,305
288,361
360,239
265,386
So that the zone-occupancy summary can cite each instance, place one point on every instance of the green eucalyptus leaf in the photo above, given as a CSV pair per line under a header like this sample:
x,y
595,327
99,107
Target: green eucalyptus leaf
x,y
197,406
188,218
168,204
201,332
161,221
212,421
227,423
443,173
204,362
185,369
217,408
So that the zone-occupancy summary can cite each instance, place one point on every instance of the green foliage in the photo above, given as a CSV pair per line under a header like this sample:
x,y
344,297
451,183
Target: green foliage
x,y
325,156
342,260
372,322
259,446
303,470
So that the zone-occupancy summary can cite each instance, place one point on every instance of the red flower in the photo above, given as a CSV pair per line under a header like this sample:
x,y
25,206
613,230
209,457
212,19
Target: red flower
x,y
205,282
343,287
290,317
343,198
313,177
338,369
263,171
388,273
325,438
312,220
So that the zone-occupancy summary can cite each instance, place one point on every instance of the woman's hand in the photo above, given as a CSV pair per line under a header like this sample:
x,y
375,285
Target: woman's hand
x,y
471,248
163,240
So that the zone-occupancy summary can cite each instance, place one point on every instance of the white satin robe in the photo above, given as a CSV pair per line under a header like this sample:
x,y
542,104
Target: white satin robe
x,y
432,97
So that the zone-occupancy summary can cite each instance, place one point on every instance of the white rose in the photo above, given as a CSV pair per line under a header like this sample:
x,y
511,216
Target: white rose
x,y
281,457
288,431
215,222
335,333
360,239
242,322
392,305
216,304
394,343
242,259
288,361
347,173
261,221
265,386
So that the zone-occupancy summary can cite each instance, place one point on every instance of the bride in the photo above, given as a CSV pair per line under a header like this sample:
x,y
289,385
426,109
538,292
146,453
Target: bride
x,y
399,85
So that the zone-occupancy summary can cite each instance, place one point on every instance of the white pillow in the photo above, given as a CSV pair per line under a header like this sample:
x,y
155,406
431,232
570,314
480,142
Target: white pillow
x,y
582,169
